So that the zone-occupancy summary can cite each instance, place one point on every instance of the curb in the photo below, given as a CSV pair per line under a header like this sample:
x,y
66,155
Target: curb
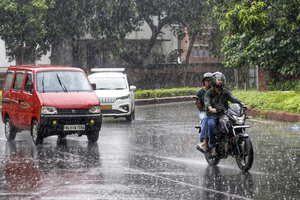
x,y
275,115
139,102
270,115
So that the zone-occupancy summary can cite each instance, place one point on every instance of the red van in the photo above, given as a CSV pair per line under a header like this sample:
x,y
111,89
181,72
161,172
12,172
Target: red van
x,y
49,100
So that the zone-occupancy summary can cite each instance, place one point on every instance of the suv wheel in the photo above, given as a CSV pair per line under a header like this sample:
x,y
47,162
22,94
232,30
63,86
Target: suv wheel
x,y
10,131
130,118
36,134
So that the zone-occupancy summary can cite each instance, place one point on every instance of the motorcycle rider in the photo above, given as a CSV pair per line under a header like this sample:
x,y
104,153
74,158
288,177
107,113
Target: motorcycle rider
x,y
202,114
217,99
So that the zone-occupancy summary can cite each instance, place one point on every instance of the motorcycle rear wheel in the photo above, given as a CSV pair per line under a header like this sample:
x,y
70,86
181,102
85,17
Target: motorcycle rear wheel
x,y
212,161
245,159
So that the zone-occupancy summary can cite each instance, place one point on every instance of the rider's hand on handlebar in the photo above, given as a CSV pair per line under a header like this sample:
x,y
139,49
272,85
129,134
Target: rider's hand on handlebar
x,y
213,110
246,106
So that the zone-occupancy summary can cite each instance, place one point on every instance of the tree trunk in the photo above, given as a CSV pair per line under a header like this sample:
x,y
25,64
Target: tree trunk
x,y
61,52
192,40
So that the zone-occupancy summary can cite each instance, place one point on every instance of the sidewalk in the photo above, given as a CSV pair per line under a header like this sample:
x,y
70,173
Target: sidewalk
x,y
271,115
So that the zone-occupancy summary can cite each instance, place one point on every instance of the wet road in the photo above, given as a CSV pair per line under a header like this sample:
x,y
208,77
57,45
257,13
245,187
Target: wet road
x,y
152,158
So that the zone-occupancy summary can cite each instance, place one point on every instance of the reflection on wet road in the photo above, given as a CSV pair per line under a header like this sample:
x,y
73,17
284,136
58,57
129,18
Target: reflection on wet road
x,y
152,158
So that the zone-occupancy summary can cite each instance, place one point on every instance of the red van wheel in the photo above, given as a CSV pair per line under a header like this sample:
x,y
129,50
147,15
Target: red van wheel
x,y
10,131
36,134
93,137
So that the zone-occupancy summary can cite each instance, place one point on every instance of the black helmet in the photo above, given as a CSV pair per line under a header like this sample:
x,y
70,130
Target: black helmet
x,y
206,75
218,80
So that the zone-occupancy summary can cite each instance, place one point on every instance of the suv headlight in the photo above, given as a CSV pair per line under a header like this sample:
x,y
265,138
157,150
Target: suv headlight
x,y
239,120
123,97
48,110
95,109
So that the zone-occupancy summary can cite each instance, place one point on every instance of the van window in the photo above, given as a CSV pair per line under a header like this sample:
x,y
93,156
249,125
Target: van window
x,y
8,80
62,81
28,80
18,81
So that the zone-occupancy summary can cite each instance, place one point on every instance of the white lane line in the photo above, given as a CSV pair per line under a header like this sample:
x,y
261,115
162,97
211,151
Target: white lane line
x,y
187,184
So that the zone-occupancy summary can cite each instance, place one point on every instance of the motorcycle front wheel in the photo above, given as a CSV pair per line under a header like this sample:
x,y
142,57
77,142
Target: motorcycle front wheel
x,y
245,159
212,161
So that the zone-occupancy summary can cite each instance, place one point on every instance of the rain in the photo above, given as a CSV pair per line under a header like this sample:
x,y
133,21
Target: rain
x,y
154,157
151,154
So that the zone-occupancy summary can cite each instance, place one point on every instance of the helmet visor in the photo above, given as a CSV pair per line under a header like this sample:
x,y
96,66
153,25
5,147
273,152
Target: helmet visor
x,y
220,79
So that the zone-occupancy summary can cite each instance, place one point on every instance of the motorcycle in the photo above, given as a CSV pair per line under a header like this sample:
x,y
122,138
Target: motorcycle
x,y
231,138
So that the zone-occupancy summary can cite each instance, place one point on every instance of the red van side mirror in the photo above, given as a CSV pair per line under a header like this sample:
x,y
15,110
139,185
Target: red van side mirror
x,y
94,86
29,87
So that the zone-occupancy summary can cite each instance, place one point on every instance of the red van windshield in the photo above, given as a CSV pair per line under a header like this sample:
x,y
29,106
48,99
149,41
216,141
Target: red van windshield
x,y
62,81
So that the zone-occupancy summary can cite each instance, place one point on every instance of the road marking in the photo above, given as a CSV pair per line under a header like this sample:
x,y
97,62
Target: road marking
x,y
187,184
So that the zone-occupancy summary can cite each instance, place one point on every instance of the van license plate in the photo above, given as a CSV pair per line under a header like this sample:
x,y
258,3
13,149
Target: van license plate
x,y
106,107
74,127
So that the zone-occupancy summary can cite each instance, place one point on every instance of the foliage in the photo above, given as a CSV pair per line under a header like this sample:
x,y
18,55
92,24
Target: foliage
x,y
29,27
111,22
127,16
273,101
68,19
200,25
158,93
285,86
22,27
264,33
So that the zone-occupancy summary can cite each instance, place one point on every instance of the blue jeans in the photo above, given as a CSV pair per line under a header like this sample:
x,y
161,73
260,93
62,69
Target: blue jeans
x,y
203,121
211,125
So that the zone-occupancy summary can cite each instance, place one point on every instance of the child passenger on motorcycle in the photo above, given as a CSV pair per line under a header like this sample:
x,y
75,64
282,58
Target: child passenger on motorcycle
x,y
217,99
202,115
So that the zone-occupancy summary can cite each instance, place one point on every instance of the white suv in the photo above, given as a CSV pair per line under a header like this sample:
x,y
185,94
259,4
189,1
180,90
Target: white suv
x,y
114,92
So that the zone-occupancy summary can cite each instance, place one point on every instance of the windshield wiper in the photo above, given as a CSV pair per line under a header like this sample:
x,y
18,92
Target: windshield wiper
x,y
61,84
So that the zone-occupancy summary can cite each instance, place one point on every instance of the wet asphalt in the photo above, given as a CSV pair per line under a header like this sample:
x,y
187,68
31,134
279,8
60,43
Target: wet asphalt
x,y
154,157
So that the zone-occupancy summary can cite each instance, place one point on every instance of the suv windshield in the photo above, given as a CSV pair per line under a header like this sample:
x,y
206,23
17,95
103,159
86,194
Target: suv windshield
x,y
62,81
109,83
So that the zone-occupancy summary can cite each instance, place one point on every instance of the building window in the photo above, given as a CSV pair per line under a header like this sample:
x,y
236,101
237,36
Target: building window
x,y
207,51
201,51
195,51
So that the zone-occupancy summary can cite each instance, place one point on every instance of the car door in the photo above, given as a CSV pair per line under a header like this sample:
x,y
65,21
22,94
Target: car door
x,y
7,106
16,97
27,102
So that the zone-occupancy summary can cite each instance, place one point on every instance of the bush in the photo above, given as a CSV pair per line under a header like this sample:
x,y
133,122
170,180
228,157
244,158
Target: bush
x,y
275,101
272,100
158,93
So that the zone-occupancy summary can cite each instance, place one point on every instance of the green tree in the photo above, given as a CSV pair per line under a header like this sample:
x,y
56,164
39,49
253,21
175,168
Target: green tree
x,y
66,22
126,16
22,28
263,33
111,22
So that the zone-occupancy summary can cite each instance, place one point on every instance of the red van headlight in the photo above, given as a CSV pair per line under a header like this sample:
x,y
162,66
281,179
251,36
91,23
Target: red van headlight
x,y
95,109
49,110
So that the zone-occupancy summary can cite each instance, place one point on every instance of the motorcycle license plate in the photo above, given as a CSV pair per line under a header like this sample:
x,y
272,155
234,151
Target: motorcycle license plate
x,y
74,127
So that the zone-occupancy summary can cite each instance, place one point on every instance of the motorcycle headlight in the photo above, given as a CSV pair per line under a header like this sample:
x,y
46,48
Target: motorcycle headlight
x,y
239,120
95,109
48,110
123,97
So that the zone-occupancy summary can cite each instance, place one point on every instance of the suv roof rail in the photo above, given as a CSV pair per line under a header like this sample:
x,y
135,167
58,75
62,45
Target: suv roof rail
x,y
107,69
